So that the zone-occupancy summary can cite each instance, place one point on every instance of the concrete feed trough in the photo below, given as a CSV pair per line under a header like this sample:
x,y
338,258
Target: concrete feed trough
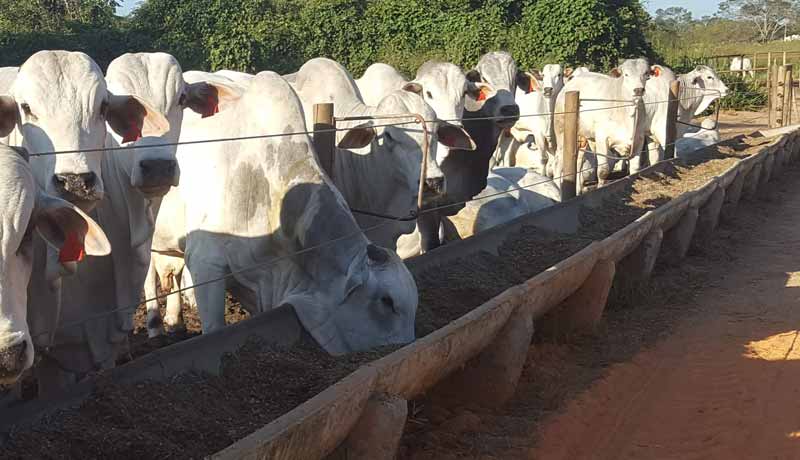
x,y
479,356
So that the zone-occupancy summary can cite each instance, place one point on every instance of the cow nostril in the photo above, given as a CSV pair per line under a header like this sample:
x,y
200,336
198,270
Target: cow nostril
x,y
165,168
509,110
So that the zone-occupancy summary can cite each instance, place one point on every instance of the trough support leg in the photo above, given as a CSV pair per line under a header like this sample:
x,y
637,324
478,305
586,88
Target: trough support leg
x,y
778,163
751,182
638,265
678,239
582,311
708,218
766,176
732,195
490,379
377,433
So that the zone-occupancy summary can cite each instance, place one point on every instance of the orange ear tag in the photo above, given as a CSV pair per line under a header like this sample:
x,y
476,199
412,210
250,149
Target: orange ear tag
x,y
483,95
212,106
72,250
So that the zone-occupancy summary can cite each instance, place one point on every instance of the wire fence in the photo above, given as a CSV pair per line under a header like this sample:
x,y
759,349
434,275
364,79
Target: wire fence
x,y
387,220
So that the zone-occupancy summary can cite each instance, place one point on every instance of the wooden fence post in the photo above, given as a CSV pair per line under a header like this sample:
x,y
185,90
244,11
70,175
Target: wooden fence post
x,y
784,58
770,95
787,95
672,119
572,102
780,93
325,142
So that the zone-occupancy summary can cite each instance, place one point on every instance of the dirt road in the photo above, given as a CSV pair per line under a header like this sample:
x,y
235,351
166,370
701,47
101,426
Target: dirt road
x,y
705,365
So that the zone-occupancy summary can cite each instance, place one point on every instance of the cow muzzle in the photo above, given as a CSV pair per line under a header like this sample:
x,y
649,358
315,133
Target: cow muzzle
x,y
12,361
156,177
78,188
548,92
638,92
510,116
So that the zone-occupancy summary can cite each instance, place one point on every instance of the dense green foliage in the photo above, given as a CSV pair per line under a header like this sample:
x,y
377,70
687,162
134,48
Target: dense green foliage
x,y
280,35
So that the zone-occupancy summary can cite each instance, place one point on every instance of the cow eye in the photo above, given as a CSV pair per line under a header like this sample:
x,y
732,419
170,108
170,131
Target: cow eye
x,y
182,100
428,95
26,109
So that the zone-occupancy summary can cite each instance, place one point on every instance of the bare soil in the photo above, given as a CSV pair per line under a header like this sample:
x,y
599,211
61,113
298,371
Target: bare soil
x,y
701,365
196,415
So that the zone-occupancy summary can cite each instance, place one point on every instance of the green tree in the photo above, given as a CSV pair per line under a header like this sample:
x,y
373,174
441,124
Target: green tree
x,y
592,32
767,17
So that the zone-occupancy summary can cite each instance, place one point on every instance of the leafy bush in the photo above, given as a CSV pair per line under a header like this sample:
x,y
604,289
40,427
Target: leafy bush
x,y
279,35
743,94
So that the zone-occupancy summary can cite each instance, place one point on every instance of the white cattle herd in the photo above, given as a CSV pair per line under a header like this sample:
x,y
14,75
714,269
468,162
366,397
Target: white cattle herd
x,y
105,170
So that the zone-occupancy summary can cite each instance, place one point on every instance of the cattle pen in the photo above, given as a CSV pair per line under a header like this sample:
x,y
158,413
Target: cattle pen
x,y
564,262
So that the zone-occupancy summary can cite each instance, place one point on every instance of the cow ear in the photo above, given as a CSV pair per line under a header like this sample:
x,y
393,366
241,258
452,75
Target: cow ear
x,y
616,73
479,91
132,118
655,71
68,229
413,87
9,115
474,76
536,74
207,98
358,137
454,137
524,82
568,72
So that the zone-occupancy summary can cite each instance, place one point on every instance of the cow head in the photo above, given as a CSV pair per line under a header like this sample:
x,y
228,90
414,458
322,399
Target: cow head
x,y
494,103
401,145
498,71
60,102
62,225
634,74
706,80
157,83
378,305
552,80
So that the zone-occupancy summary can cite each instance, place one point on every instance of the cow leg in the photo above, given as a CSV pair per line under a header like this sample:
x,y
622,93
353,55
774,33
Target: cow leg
x,y
603,168
173,319
655,152
207,272
428,225
150,292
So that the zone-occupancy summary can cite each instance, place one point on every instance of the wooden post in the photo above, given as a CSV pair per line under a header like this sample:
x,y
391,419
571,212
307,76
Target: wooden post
x,y
672,119
787,95
780,94
770,97
775,100
325,142
570,167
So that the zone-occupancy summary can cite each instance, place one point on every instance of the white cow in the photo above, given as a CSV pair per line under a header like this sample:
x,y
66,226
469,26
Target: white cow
x,y
527,192
378,169
379,80
60,102
696,140
613,125
134,181
743,65
61,224
699,89
538,98
250,206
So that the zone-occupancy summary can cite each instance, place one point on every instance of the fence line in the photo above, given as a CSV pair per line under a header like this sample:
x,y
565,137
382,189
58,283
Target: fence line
x,y
389,220
375,117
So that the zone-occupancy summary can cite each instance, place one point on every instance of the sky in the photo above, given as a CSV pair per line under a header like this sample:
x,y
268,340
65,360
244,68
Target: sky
x,y
699,8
